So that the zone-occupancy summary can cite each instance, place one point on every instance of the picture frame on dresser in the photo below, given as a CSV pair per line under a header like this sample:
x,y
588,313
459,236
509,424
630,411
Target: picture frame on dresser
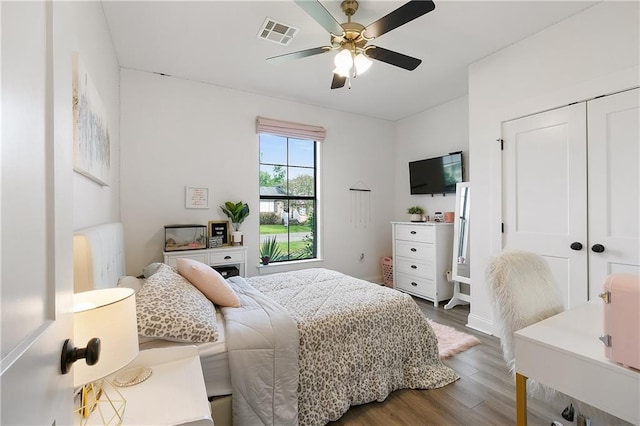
x,y
220,228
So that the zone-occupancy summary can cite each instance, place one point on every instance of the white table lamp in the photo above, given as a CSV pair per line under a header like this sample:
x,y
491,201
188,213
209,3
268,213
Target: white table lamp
x,y
110,315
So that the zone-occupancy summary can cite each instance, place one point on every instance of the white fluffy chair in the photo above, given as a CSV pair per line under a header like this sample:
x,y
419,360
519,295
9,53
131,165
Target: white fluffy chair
x,y
523,293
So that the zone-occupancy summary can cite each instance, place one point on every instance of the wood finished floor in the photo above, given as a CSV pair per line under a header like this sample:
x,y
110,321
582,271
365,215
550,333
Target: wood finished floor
x,y
484,394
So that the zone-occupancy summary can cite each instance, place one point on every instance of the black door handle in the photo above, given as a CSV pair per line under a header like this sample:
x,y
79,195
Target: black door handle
x,y
576,246
413,232
70,354
597,248
414,267
413,283
227,257
413,249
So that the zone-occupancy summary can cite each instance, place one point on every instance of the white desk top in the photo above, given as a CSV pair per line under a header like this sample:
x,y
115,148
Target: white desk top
x,y
575,332
564,352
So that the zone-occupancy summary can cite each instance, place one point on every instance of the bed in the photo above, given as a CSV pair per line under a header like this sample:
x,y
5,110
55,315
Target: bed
x,y
303,346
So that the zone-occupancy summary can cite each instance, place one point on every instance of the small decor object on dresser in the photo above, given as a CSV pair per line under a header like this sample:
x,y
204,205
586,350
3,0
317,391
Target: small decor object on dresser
x,y
185,237
237,212
219,229
216,241
416,213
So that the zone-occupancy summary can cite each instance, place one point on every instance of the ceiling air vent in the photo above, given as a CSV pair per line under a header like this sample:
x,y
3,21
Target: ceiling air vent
x,y
277,32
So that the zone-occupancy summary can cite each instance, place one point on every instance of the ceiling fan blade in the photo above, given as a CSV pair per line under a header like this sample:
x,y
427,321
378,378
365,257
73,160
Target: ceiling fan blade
x,y
338,81
405,13
393,58
299,54
321,15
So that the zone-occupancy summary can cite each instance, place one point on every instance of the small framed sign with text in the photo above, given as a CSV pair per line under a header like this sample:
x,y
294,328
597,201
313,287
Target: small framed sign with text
x,y
197,197
220,228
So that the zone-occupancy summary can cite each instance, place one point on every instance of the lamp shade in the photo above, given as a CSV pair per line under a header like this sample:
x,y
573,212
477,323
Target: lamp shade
x,y
110,315
343,61
362,63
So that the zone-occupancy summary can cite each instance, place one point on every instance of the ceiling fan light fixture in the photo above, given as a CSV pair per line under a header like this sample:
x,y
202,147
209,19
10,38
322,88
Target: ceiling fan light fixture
x,y
343,60
362,63
342,72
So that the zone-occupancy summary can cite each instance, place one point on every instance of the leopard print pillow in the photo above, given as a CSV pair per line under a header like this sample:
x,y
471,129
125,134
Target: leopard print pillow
x,y
169,307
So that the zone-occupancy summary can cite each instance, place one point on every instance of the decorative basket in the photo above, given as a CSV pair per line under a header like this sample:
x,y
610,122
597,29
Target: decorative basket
x,y
387,270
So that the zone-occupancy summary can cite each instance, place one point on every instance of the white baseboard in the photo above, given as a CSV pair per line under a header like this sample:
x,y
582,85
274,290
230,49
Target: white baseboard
x,y
480,324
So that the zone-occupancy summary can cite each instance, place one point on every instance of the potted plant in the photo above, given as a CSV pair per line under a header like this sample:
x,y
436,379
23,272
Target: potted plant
x,y
237,213
416,213
270,251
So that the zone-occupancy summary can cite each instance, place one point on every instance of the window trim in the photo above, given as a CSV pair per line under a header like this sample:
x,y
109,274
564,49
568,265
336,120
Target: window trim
x,y
318,217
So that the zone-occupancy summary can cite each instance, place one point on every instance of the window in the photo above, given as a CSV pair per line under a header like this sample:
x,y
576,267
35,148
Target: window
x,y
287,198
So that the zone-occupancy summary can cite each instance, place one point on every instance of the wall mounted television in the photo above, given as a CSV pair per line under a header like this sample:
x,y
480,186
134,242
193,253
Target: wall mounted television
x,y
437,175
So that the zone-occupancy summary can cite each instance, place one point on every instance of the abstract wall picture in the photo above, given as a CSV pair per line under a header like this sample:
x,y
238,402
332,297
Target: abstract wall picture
x,y
360,205
91,134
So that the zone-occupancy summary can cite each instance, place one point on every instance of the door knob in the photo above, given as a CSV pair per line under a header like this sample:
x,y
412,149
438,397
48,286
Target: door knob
x,y
576,246
597,248
71,354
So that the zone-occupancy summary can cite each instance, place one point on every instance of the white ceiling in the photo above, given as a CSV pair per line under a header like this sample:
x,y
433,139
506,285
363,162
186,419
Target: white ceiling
x,y
216,42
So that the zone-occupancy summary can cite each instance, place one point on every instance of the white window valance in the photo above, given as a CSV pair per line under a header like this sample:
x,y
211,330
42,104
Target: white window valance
x,y
289,129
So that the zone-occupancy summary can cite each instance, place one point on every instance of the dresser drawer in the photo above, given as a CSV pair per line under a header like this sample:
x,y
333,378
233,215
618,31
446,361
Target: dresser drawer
x,y
422,269
224,258
200,257
425,234
421,286
415,250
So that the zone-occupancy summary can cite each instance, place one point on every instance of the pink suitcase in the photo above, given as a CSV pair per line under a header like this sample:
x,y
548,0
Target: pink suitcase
x,y
621,294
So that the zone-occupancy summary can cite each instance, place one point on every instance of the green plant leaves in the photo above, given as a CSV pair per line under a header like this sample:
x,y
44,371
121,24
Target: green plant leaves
x,y
236,212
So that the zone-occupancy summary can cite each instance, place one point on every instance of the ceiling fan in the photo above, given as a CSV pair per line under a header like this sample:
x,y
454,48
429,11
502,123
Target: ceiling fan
x,y
351,38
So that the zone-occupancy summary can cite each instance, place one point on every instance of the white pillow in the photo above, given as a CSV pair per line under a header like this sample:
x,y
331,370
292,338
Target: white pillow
x,y
208,281
133,283
169,307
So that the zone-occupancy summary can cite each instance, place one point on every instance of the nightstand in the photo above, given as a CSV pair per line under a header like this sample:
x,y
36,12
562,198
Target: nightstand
x,y
214,257
174,394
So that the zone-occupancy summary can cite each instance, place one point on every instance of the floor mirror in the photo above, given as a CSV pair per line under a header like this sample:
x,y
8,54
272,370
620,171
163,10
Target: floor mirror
x,y
461,267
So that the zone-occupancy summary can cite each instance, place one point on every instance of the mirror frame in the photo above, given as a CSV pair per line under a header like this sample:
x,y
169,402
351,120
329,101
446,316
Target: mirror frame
x,y
456,234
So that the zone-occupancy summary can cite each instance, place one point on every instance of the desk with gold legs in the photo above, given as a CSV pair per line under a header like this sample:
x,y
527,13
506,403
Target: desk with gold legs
x,y
564,353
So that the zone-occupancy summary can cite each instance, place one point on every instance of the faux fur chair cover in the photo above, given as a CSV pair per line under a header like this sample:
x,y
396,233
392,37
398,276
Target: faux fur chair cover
x,y
523,293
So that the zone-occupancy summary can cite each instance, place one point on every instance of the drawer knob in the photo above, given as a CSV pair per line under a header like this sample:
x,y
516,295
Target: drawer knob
x,y
413,232
413,249
227,257
414,267
413,283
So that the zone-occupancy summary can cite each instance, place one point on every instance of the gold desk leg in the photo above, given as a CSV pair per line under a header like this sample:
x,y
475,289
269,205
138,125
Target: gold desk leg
x,y
521,400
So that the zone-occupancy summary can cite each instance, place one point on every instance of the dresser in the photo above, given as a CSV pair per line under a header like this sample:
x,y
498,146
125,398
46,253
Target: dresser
x,y
422,254
214,257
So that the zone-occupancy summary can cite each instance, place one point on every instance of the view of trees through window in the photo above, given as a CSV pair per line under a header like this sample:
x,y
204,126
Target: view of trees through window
x,y
287,198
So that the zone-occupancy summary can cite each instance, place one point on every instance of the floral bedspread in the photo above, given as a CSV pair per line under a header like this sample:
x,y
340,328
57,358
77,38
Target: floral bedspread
x,y
358,341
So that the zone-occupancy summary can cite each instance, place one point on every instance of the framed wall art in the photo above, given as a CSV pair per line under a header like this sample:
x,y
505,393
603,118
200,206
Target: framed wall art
x,y
91,135
197,197
220,228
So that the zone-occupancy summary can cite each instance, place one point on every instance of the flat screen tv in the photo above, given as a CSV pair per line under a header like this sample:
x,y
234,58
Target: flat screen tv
x,y
437,175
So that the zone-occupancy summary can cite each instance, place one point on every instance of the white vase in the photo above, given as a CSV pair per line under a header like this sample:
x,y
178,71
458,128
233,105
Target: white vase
x,y
416,218
236,238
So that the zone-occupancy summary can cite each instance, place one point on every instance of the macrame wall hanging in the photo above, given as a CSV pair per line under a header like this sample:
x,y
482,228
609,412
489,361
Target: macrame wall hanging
x,y
360,209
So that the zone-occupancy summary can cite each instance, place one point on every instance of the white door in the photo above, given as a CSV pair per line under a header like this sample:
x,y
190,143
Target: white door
x,y
35,260
545,194
614,190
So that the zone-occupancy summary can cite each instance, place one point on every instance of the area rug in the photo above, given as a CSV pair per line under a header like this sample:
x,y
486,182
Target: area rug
x,y
452,341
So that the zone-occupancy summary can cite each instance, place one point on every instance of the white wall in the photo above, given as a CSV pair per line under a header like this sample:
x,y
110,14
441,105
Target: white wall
x,y
590,54
177,132
432,133
81,27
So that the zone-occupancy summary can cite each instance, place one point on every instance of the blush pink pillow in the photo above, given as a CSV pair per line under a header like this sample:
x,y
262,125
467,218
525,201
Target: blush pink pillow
x,y
208,281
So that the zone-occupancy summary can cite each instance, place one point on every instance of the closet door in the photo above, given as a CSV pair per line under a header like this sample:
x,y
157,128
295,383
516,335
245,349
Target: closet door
x,y
614,193
544,194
